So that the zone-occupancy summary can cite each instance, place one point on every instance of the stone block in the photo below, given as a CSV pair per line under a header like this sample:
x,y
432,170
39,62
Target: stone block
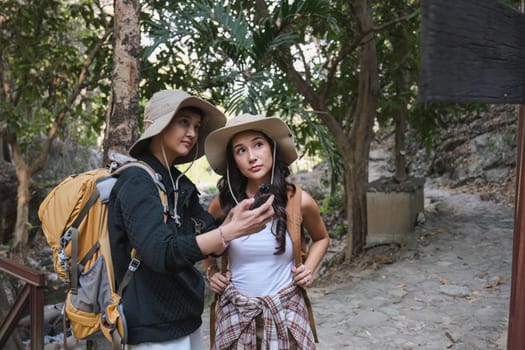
x,y
392,210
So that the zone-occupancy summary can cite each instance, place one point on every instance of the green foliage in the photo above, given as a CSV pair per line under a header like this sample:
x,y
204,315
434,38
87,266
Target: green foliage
x,y
428,118
223,45
235,51
397,48
332,210
44,45
339,231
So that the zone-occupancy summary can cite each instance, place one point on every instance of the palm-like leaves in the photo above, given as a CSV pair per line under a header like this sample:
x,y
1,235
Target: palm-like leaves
x,y
234,49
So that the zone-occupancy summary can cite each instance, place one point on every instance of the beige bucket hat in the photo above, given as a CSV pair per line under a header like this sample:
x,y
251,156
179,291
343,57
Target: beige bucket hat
x,y
161,108
275,128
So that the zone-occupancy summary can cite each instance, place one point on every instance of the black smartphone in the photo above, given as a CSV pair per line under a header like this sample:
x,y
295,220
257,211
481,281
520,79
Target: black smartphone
x,y
262,194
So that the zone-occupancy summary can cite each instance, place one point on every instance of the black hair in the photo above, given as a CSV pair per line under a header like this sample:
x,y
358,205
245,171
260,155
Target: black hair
x,y
238,183
195,110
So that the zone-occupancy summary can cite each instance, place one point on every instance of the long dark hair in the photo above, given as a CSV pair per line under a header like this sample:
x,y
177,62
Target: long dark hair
x,y
280,189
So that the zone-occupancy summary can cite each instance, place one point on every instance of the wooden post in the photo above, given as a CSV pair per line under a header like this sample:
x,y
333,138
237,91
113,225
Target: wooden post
x,y
516,335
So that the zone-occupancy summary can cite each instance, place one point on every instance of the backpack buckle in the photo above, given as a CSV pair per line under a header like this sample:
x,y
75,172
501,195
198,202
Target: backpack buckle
x,y
134,264
66,237
63,259
113,166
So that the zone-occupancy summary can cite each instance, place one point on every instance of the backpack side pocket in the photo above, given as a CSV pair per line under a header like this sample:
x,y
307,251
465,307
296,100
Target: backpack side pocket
x,y
84,309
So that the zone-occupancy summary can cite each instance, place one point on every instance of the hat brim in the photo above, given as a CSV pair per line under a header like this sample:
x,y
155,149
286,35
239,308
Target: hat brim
x,y
217,141
213,119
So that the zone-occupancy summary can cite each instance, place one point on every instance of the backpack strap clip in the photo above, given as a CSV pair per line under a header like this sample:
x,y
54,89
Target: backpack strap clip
x,y
66,237
134,264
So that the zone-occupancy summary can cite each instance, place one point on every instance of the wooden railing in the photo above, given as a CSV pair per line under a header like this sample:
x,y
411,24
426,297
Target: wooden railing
x,y
33,294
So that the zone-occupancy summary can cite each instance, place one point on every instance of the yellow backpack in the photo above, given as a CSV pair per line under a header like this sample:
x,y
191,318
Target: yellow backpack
x,y
74,221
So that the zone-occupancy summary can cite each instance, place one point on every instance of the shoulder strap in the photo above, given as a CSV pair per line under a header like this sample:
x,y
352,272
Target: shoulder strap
x,y
294,222
141,164
135,259
157,179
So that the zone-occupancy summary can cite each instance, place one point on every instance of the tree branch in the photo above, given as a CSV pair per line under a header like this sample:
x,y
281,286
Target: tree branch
x,y
60,114
358,41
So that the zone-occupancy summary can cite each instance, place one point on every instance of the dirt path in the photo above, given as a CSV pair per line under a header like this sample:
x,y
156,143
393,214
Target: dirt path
x,y
449,290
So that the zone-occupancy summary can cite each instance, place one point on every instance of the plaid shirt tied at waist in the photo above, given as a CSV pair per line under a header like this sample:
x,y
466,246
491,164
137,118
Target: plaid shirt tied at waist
x,y
284,314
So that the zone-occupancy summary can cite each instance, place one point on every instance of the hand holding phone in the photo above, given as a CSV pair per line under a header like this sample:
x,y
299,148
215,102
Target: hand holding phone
x,y
262,194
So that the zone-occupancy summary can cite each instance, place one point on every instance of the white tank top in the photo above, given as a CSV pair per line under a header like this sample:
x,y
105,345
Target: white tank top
x,y
256,270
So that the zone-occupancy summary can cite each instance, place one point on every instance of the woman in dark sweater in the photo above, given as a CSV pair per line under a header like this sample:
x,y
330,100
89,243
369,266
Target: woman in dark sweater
x,y
164,300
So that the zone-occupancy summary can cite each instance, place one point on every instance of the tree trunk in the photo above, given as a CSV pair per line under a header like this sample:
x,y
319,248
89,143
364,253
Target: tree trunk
x,y
21,234
400,116
353,147
399,147
357,151
124,105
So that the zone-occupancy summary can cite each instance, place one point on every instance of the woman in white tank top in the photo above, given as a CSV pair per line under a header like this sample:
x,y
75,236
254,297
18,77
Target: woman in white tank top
x,y
261,305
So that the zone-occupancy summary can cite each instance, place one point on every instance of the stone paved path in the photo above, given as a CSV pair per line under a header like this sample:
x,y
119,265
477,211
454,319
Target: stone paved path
x,y
449,290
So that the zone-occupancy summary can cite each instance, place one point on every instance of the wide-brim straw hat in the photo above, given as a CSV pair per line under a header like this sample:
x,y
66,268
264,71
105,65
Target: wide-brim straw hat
x,y
161,108
217,141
